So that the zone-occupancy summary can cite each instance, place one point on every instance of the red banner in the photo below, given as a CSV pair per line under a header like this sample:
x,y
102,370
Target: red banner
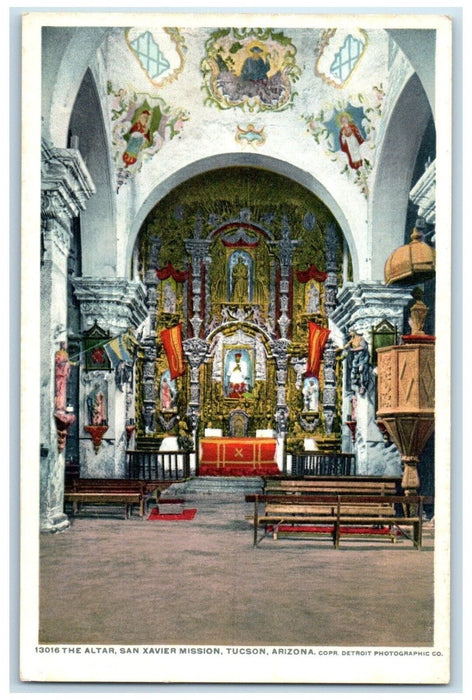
x,y
317,337
172,342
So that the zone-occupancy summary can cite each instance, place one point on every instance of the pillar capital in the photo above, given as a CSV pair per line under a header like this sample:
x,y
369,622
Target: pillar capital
x,y
366,304
115,303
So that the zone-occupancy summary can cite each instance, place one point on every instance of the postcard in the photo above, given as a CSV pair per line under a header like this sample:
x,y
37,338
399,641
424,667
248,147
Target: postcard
x,y
235,354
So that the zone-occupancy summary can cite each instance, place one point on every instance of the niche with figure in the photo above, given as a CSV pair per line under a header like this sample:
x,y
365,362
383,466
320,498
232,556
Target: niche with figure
x,y
311,394
97,406
238,372
240,277
167,393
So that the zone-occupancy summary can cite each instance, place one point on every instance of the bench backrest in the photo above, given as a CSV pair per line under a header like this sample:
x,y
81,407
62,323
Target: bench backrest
x,y
109,485
332,486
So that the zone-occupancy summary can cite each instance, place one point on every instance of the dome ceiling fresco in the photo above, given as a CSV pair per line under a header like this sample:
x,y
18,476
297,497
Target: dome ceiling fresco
x,y
328,83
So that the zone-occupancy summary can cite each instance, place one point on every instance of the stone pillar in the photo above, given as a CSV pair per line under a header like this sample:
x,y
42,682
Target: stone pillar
x,y
117,305
65,187
284,250
149,341
198,249
280,351
195,349
362,306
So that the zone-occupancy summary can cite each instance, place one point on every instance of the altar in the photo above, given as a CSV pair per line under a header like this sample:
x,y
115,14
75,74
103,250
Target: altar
x,y
248,456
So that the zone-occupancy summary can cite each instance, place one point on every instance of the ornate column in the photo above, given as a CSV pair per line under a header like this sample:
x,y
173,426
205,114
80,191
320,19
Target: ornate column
x,y
331,282
195,350
198,249
149,340
329,443
65,188
362,306
284,250
116,304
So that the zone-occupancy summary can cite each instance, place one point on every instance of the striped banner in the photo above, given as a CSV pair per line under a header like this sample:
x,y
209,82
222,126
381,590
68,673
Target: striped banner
x,y
117,352
172,342
317,337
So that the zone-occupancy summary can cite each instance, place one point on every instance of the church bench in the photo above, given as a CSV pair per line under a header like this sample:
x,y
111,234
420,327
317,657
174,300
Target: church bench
x,y
332,486
126,492
338,515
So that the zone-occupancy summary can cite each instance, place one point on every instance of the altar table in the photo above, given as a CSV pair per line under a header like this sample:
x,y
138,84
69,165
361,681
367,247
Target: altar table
x,y
238,457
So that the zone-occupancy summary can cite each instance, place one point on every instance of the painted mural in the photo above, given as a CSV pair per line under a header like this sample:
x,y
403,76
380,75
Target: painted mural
x,y
159,51
253,69
347,130
339,53
141,125
250,136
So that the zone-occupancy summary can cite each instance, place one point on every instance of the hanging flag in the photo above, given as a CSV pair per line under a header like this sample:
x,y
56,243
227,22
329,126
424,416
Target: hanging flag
x,y
317,337
172,342
117,352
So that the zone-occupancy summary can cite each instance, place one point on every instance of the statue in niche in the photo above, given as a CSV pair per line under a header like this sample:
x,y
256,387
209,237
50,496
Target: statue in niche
x,y
239,282
310,394
96,407
167,392
240,277
358,351
313,299
169,301
238,374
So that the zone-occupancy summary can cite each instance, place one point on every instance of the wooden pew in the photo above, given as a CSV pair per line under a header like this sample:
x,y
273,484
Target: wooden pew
x,y
338,513
126,492
334,485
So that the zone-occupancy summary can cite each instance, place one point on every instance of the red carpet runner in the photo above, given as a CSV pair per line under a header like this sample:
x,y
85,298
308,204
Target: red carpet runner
x,y
238,457
187,514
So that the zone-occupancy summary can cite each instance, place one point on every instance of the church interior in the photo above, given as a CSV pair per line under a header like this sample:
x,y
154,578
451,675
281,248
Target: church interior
x,y
237,269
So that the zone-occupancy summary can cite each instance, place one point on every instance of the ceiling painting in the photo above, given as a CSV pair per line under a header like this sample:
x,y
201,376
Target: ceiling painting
x,y
347,131
141,125
253,69
250,136
159,52
339,54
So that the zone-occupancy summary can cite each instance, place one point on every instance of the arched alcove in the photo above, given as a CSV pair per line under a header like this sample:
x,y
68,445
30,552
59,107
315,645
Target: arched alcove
x,y
394,170
97,222
264,164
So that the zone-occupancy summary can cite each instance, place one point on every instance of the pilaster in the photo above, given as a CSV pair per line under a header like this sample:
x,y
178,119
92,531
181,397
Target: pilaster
x,y
362,306
65,188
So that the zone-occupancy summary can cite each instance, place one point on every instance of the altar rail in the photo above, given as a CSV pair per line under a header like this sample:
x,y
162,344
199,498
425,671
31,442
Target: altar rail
x,y
158,466
322,464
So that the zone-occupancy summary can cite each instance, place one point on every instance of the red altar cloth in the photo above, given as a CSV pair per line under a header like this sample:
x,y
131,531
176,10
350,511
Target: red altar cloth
x,y
237,457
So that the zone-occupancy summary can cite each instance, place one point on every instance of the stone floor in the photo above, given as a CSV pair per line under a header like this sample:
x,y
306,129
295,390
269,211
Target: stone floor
x,y
106,580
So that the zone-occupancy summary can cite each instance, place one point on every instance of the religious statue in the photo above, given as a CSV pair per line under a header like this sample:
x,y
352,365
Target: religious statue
x,y
350,139
310,395
237,374
313,303
63,369
239,278
358,348
167,395
96,407
169,299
